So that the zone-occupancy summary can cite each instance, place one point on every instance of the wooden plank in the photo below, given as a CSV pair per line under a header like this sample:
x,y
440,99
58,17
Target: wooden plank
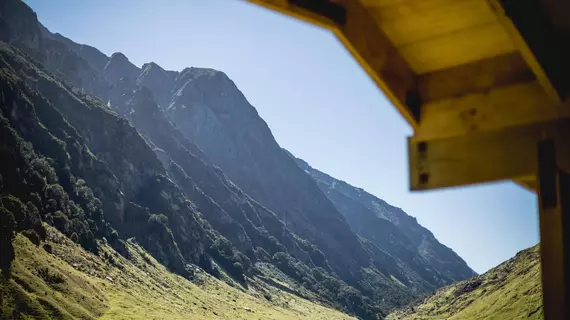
x,y
362,36
471,159
417,20
458,48
507,106
474,77
483,157
536,34
554,205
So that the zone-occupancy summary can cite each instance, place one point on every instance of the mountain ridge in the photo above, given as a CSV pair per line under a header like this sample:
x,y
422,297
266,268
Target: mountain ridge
x,y
375,211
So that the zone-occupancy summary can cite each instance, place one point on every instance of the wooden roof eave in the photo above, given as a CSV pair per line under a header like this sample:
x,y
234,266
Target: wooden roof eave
x,y
495,94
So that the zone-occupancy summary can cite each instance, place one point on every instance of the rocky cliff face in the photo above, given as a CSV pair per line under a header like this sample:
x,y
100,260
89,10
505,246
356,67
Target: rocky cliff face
x,y
182,162
209,109
119,67
159,81
95,58
392,230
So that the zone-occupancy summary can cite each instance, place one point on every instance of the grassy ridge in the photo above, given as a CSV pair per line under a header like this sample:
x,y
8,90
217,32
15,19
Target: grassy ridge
x,y
510,291
70,283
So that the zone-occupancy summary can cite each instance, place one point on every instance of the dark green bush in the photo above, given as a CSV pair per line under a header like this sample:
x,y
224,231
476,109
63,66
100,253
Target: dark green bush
x,y
158,219
233,261
43,168
60,221
7,234
15,206
33,236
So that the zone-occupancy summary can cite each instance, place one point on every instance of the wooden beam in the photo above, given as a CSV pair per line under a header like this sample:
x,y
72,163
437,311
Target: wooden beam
x,y
529,183
410,21
501,107
554,208
455,49
360,33
541,42
475,77
482,157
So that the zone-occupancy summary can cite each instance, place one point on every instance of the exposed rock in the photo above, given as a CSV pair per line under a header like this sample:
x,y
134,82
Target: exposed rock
x,y
159,81
393,231
95,58
119,67
209,109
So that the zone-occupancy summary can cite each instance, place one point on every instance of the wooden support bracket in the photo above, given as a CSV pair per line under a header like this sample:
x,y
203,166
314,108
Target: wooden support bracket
x,y
504,154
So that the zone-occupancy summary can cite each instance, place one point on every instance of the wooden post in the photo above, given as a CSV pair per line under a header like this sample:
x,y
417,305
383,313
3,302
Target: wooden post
x,y
554,207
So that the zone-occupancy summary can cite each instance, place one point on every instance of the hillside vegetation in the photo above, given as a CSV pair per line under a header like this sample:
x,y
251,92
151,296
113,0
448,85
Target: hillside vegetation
x,y
510,291
61,280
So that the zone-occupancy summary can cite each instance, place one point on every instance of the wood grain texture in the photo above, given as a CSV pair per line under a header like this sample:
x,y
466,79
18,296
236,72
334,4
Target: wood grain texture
x,y
507,106
458,48
474,77
483,157
419,20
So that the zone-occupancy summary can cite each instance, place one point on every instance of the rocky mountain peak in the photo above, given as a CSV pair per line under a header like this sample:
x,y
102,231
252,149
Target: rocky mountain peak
x,y
217,96
151,65
119,67
119,57
192,74
159,81
19,25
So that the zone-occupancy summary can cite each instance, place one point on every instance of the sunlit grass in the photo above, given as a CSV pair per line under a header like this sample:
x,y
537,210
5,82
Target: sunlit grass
x,y
72,283
509,291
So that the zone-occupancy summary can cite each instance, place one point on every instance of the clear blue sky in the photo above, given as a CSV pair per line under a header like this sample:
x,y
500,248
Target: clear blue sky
x,y
317,101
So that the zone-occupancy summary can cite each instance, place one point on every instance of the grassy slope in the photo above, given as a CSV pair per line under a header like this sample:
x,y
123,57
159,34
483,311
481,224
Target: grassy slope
x,y
510,291
71,283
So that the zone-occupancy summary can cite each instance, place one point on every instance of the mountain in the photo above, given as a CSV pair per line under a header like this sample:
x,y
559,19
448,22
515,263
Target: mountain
x,y
209,109
392,230
182,166
511,290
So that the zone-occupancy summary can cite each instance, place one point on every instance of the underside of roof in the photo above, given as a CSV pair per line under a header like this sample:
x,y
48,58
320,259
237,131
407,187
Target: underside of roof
x,y
480,81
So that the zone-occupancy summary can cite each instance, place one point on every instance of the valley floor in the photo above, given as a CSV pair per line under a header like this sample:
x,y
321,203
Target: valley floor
x,y
71,283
